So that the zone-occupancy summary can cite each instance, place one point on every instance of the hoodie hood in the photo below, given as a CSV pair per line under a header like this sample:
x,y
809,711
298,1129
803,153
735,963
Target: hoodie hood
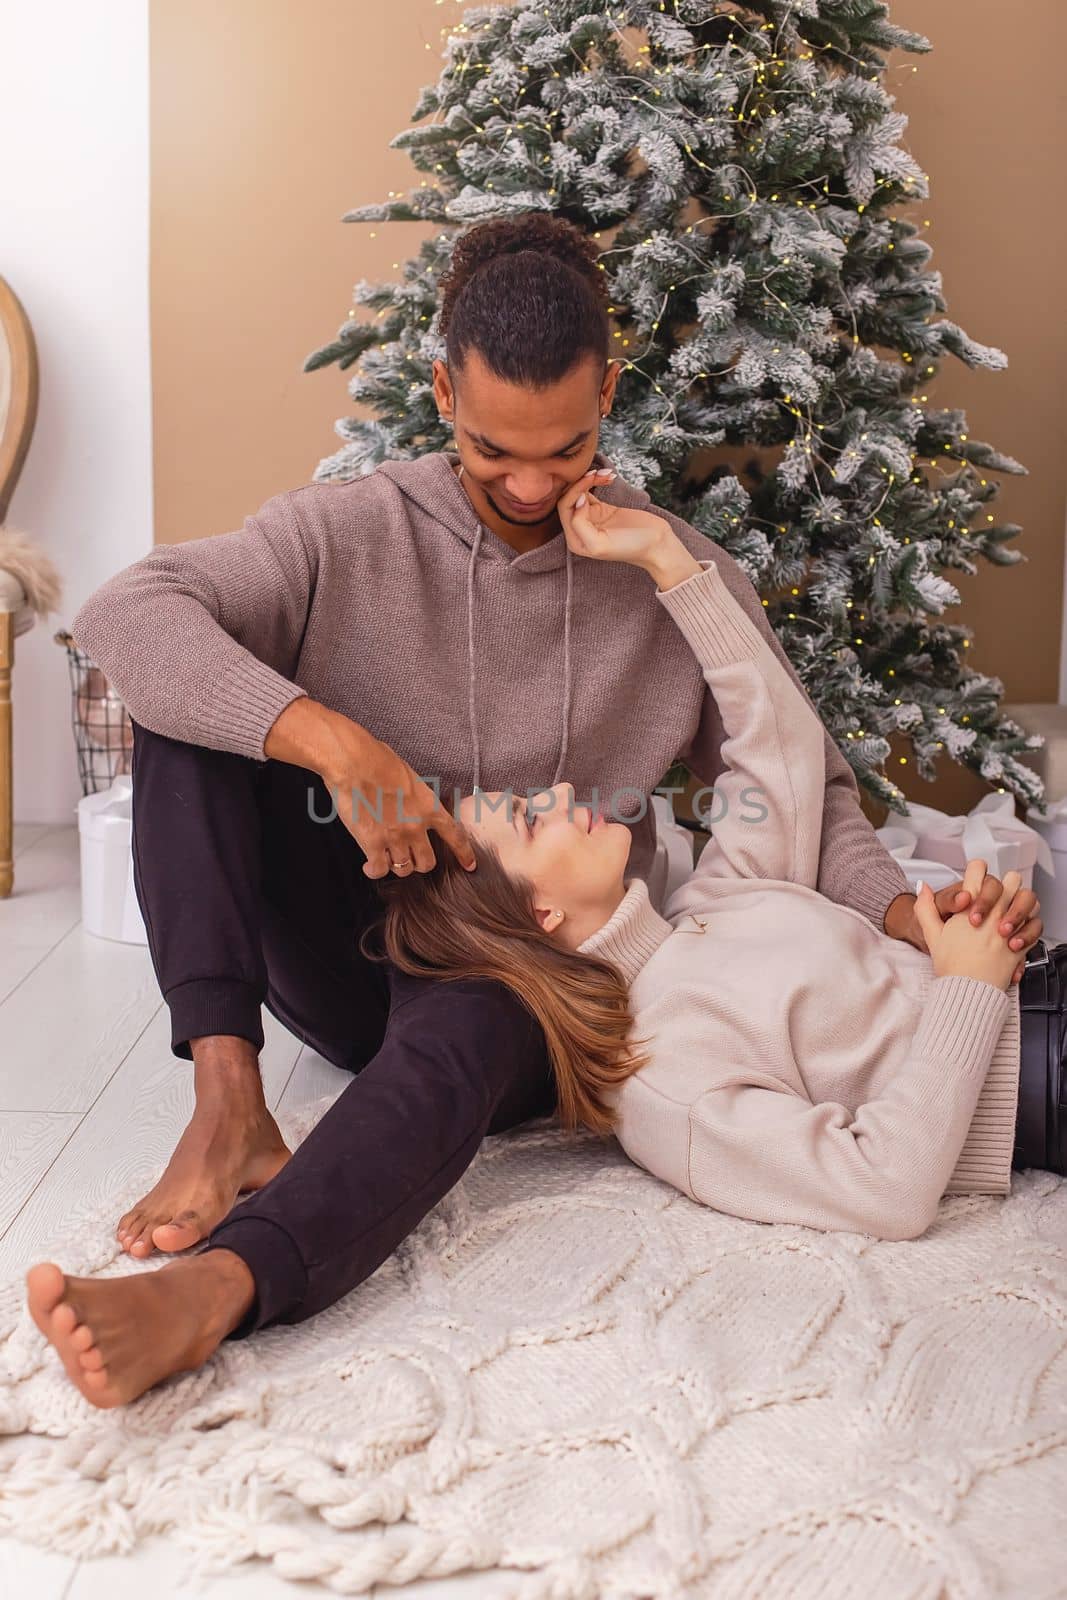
x,y
431,481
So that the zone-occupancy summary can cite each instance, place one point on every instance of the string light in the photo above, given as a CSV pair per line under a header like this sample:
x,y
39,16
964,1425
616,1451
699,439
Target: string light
x,y
761,70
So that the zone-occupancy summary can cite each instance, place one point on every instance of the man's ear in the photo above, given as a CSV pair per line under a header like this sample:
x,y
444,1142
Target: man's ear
x,y
611,378
442,388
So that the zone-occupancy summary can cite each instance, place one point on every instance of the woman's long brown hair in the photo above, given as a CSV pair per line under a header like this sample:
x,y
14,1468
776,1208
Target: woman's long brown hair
x,y
452,923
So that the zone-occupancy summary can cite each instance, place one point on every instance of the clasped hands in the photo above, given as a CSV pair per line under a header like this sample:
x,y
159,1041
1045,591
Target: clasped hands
x,y
979,892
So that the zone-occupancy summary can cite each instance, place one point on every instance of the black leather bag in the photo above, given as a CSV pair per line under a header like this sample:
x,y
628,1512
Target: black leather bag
x,y
1041,1120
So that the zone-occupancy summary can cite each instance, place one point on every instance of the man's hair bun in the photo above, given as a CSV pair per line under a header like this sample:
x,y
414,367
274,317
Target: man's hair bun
x,y
528,293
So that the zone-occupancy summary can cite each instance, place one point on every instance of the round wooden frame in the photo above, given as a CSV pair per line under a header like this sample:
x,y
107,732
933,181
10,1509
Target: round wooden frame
x,y
18,391
18,414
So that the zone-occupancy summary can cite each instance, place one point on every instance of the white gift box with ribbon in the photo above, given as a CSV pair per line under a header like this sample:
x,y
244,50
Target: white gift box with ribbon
x,y
109,900
674,858
931,845
1051,886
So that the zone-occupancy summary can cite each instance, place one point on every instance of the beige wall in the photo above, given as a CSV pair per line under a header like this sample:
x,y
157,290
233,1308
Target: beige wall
x,y
271,118
988,123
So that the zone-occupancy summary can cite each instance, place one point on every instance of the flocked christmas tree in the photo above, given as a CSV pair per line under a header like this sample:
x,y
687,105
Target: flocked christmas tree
x,y
740,166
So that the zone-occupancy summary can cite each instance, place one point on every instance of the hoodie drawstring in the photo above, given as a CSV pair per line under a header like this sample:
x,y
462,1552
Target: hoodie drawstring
x,y
565,732
470,655
566,716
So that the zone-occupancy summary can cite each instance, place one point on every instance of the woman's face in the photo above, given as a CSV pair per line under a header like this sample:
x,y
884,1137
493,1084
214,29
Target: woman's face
x,y
574,857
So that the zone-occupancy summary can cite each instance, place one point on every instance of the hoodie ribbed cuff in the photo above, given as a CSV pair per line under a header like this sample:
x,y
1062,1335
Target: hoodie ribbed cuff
x,y
873,891
244,705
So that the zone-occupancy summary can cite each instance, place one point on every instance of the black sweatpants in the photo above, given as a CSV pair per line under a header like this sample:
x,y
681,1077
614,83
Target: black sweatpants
x,y
248,900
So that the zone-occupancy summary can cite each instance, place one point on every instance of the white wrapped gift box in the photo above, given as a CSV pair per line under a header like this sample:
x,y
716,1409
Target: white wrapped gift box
x,y
675,854
105,834
1050,885
936,847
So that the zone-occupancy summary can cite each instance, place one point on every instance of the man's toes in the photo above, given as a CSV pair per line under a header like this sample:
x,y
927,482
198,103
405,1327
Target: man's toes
x,y
96,1386
64,1320
182,1231
55,1318
140,1244
45,1284
132,1222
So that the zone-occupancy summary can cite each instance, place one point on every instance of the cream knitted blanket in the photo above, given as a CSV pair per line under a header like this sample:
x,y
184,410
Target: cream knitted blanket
x,y
573,1373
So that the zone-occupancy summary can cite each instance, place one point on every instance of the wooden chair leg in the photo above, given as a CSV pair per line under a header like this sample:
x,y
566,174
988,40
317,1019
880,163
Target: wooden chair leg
x,y
7,781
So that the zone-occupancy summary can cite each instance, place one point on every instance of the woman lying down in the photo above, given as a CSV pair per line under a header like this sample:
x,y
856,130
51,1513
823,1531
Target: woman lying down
x,y
763,1049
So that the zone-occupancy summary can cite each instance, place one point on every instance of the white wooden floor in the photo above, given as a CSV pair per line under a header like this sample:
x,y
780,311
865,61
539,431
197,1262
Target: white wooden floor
x,y
89,1090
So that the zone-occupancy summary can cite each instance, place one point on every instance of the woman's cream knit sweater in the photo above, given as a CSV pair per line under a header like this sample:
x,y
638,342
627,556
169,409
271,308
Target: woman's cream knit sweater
x,y
805,1067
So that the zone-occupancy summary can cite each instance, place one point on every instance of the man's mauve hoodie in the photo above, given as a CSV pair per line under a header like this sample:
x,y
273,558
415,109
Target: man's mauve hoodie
x,y
388,600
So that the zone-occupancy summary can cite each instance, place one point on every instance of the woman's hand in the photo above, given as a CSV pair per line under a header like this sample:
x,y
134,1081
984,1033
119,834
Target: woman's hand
x,y
979,891
959,949
1021,924
616,533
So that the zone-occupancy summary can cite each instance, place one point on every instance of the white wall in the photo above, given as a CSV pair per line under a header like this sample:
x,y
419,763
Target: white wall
x,y
74,191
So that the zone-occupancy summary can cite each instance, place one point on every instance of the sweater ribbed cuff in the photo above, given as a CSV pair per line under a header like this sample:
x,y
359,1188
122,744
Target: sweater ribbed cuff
x,y
712,621
961,1022
244,705
972,1026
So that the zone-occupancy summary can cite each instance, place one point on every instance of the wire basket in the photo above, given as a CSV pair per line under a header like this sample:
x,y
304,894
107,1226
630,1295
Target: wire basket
x,y
103,732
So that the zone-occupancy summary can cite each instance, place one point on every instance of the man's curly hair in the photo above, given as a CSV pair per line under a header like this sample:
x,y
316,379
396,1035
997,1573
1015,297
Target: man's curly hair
x,y
528,294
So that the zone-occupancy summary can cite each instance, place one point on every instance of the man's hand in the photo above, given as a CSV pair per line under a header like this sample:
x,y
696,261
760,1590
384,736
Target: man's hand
x,y
1020,924
380,799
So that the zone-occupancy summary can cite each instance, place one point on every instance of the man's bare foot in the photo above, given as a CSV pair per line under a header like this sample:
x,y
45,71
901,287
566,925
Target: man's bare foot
x,y
118,1337
231,1146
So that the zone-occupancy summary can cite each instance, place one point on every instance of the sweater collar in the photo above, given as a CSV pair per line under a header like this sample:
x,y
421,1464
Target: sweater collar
x,y
632,934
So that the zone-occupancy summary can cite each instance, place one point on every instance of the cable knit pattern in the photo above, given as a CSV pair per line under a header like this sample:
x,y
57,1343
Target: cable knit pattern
x,y
571,1372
